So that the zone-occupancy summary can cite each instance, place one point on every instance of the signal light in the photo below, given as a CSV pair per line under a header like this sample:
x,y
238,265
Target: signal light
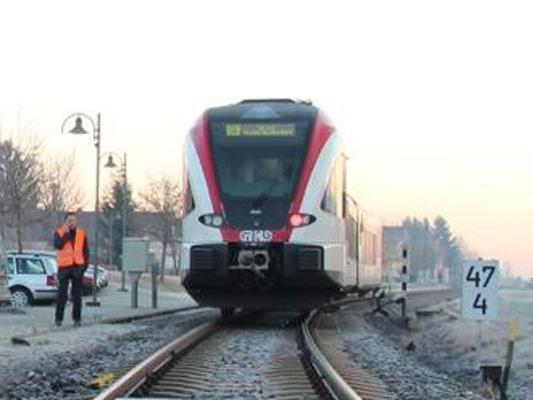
x,y
298,220
212,220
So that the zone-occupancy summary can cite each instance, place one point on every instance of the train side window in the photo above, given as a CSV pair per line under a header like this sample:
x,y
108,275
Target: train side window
x,y
369,243
333,200
328,201
188,203
342,172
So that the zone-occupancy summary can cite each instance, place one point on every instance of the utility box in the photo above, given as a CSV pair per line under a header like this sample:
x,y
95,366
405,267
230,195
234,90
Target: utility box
x,y
135,254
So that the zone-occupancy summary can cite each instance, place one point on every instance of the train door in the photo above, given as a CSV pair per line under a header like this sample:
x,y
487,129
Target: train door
x,y
333,203
369,266
351,240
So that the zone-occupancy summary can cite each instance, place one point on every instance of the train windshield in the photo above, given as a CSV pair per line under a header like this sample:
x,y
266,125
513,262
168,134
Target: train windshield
x,y
258,165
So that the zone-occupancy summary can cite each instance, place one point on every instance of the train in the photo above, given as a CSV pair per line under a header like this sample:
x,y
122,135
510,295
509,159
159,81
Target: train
x,y
268,220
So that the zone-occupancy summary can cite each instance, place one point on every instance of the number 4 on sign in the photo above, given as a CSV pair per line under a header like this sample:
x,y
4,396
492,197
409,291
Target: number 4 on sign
x,y
480,303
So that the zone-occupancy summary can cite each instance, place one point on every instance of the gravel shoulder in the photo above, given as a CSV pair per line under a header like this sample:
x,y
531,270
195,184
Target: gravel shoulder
x,y
447,343
59,365
403,374
40,361
438,353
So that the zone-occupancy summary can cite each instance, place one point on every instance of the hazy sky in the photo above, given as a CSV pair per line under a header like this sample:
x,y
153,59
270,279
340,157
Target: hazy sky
x,y
435,98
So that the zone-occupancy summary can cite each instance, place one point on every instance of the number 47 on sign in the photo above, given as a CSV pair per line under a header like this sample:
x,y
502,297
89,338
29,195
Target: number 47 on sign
x,y
480,289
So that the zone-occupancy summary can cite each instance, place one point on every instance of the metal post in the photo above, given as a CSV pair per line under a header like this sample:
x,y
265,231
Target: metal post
x,y
124,221
155,271
512,335
95,302
479,343
404,282
134,290
133,294
110,260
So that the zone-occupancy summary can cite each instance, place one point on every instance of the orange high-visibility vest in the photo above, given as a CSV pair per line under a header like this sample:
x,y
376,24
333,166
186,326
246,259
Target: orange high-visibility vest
x,y
69,256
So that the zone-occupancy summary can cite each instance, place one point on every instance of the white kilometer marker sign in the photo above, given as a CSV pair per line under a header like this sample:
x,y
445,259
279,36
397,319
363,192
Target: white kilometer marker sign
x,y
480,289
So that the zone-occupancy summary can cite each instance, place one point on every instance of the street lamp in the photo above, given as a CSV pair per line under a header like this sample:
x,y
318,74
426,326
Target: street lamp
x,y
96,131
124,210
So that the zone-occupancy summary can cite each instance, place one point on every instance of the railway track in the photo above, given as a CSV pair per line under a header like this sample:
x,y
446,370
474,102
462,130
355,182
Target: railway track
x,y
254,357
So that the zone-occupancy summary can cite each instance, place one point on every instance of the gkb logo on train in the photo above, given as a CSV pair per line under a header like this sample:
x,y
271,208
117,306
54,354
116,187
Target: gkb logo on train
x,y
256,236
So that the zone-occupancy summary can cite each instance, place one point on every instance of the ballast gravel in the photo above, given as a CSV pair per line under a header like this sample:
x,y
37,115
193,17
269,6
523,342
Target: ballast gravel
x,y
244,360
61,365
398,368
446,343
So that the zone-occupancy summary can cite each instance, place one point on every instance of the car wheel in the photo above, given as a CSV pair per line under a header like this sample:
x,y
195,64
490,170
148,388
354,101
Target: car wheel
x,y
21,298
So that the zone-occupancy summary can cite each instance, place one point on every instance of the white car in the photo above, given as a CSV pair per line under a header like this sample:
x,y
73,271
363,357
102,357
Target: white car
x,y
30,277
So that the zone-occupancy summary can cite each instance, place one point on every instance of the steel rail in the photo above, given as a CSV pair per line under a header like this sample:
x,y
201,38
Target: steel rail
x,y
335,384
137,375
150,315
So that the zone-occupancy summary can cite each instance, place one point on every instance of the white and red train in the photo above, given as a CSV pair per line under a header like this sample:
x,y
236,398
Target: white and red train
x,y
268,222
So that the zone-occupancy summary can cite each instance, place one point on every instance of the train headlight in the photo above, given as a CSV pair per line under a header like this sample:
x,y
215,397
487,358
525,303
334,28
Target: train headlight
x,y
212,220
298,220
217,221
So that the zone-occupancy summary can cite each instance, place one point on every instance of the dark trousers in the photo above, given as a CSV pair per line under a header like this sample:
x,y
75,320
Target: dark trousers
x,y
64,275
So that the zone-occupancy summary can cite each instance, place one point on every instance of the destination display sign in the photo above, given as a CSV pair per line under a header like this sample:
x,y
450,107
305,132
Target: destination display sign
x,y
261,130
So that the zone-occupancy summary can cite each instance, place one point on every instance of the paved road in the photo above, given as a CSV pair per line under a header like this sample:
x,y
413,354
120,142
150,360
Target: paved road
x,y
39,319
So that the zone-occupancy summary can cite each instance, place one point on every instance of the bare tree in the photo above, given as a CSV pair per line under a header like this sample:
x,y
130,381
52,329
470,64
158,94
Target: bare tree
x,y
162,196
21,180
60,189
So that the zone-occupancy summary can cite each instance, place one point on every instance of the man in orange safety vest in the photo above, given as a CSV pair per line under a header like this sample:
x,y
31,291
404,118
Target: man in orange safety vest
x,y
72,261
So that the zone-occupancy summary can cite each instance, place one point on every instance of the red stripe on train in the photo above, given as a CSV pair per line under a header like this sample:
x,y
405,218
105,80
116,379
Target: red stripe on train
x,y
321,133
200,137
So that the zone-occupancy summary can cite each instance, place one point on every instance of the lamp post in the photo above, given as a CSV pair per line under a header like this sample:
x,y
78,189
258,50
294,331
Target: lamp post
x,y
124,209
96,131
110,222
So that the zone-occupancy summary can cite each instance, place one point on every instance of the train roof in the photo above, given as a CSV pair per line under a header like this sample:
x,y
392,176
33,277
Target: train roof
x,y
264,109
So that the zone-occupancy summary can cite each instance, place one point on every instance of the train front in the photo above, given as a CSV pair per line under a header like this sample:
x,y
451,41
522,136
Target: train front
x,y
248,168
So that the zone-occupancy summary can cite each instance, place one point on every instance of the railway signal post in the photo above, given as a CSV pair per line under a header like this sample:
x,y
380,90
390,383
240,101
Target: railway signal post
x,y
404,281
